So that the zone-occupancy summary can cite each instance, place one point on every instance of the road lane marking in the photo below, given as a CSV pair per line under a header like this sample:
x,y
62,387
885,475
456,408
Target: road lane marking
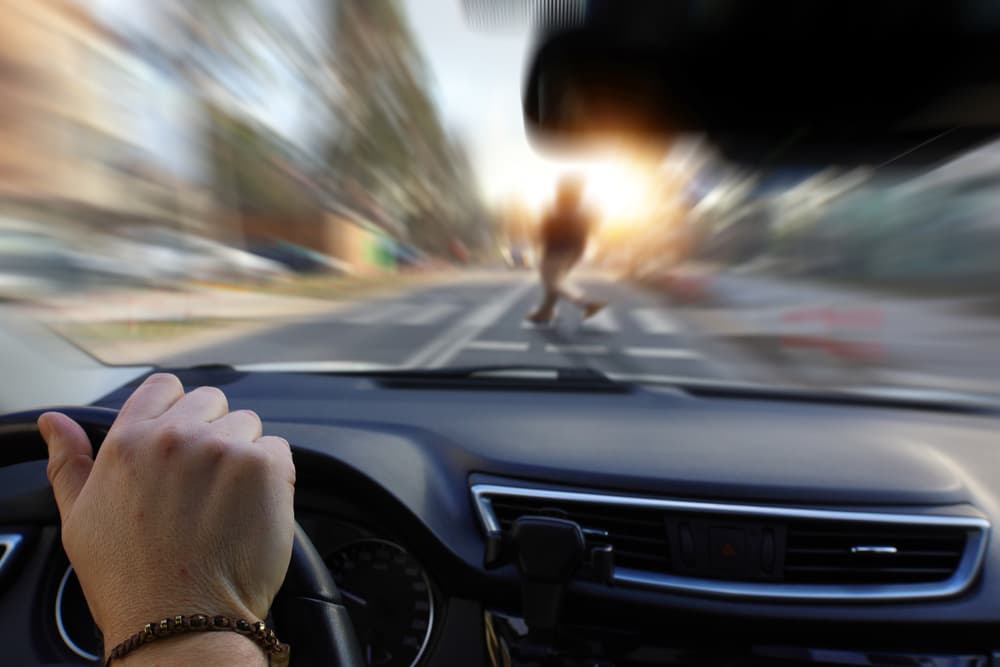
x,y
377,313
421,315
498,345
446,346
654,321
526,324
603,321
661,352
577,349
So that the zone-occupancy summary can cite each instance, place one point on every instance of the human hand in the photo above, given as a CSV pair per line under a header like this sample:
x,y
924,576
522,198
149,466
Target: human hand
x,y
186,509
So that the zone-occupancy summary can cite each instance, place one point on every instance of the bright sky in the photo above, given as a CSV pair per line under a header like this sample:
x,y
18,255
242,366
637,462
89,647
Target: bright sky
x,y
477,76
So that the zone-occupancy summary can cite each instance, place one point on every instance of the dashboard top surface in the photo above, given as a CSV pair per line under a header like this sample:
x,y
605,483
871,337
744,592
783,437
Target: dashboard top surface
x,y
647,441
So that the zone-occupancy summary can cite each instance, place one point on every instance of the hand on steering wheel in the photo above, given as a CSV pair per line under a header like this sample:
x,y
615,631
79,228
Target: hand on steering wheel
x,y
187,509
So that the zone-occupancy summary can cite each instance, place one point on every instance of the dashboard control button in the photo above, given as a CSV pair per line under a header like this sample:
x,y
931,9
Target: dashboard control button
x,y
727,549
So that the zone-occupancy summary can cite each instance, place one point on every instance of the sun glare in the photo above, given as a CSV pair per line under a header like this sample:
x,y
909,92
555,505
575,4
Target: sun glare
x,y
616,189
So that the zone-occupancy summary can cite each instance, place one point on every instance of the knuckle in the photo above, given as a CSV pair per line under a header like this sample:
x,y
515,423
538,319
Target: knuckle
x,y
171,437
210,393
279,443
165,381
216,446
251,415
253,459
168,378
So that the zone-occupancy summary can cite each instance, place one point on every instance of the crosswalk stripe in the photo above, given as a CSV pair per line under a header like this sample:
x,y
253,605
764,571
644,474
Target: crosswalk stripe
x,y
661,352
498,345
419,314
577,349
603,321
377,313
654,320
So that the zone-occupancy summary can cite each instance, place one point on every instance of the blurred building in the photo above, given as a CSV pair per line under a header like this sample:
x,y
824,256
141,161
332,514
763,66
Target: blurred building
x,y
308,121
68,135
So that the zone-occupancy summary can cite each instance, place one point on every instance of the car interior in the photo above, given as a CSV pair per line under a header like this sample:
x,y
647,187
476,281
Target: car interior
x,y
492,517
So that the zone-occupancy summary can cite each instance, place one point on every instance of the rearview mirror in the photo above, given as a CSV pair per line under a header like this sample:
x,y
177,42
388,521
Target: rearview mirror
x,y
766,101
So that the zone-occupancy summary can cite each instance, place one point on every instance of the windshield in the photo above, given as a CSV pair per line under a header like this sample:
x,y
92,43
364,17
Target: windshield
x,y
346,184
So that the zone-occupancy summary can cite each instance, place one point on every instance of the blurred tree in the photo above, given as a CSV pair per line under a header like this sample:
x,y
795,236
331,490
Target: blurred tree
x,y
228,52
259,166
391,143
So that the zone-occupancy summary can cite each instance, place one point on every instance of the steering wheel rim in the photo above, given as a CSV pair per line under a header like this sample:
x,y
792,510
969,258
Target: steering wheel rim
x,y
307,610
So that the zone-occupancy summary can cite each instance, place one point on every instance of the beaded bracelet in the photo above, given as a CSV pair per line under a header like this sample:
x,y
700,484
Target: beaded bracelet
x,y
277,653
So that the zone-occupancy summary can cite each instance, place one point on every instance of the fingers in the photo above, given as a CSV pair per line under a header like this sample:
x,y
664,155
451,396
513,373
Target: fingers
x,y
70,458
242,424
281,450
204,404
152,398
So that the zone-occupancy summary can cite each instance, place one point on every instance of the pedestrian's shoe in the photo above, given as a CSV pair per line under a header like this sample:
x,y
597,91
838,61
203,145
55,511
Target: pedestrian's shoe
x,y
540,318
593,308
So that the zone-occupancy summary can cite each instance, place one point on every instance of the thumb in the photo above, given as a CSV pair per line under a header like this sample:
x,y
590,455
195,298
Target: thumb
x,y
70,458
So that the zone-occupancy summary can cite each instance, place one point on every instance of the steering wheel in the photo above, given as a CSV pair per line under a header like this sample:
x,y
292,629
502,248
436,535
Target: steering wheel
x,y
307,611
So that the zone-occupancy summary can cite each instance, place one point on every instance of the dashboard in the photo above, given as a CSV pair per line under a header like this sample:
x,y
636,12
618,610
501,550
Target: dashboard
x,y
703,530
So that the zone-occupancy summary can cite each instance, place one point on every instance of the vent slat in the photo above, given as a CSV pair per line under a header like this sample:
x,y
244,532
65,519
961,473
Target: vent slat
x,y
816,551
847,550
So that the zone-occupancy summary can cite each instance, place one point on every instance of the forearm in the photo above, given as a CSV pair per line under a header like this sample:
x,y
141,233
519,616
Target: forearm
x,y
222,649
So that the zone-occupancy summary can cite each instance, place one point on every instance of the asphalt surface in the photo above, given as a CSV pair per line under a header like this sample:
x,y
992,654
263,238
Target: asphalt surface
x,y
479,320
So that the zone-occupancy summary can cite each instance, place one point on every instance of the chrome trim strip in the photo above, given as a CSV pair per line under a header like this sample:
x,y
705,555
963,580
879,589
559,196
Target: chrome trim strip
x,y
968,567
879,550
9,542
61,627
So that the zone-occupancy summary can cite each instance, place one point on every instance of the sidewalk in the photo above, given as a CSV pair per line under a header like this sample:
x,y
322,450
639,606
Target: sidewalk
x,y
171,306
199,302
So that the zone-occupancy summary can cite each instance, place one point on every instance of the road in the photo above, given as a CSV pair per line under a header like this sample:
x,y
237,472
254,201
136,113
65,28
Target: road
x,y
741,326
478,319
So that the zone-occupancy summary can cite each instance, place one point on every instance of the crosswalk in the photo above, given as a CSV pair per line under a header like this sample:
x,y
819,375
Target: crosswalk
x,y
629,334
612,320
655,321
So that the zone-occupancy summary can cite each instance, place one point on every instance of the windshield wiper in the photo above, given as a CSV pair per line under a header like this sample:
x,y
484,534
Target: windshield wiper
x,y
513,377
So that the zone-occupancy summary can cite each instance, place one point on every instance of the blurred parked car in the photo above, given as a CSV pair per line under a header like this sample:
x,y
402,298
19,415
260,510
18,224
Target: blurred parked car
x,y
408,256
35,262
298,258
181,256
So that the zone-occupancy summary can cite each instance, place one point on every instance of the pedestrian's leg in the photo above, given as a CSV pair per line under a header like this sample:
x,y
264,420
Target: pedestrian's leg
x,y
568,291
548,272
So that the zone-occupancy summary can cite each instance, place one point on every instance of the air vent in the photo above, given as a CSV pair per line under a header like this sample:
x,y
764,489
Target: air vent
x,y
638,536
758,551
825,552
